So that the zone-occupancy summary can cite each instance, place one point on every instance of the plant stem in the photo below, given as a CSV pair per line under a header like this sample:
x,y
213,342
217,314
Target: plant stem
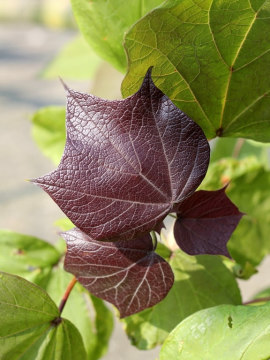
x,y
263,299
154,239
238,147
66,294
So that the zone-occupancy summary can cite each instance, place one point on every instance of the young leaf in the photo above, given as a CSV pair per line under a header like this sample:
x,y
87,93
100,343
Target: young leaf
x,y
223,332
49,131
126,163
205,222
104,23
127,273
200,282
30,327
212,59
249,189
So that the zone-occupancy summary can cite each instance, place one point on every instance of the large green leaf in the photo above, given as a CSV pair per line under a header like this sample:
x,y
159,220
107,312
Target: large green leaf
x,y
212,58
249,189
224,332
26,255
49,131
200,282
89,314
75,61
30,327
104,22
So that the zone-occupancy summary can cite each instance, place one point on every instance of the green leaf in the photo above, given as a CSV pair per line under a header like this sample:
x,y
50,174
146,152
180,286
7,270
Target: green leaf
x,y
200,282
249,189
49,131
64,224
75,61
30,327
223,332
227,147
89,314
104,22
26,255
211,58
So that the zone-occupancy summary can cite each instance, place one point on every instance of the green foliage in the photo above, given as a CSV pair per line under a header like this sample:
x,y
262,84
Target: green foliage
x,y
200,282
228,147
30,325
84,311
249,189
49,131
26,256
41,263
75,61
210,58
222,332
104,23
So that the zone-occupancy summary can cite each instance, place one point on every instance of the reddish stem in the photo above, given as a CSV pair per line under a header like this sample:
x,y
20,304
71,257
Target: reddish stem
x,y
262,299
66,294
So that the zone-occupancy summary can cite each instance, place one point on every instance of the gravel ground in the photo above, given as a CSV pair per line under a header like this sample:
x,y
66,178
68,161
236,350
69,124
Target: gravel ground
x,y
24,51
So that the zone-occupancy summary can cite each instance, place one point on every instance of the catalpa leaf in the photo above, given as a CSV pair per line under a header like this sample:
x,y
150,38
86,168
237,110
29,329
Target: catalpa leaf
x,y
126,163
205,222
212,59
127,273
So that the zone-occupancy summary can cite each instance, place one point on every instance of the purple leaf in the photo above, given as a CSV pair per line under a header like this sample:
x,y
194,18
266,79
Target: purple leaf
x,y
127,273
205,222
126,163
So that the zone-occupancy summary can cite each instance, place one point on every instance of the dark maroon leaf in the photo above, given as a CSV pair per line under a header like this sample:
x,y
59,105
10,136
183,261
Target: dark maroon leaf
x,y
126,163
205,222
127,273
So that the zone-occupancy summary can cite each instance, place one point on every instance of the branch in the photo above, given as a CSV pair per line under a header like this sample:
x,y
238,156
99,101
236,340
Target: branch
x,y
66,294
262,299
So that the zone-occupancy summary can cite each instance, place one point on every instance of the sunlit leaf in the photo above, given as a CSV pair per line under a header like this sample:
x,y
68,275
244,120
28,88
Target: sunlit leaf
x,y
223,332
200,282
211,58
126,273
126,163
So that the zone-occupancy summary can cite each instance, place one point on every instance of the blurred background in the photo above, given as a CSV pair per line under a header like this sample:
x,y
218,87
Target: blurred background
x,y
32,33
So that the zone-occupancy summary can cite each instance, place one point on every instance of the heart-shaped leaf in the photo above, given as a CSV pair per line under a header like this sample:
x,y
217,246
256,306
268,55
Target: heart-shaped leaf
x,y
222,332
126,163
128,274
212,59
205,222
31,327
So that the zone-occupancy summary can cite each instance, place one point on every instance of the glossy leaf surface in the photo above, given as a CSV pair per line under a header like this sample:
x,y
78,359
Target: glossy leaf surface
x,y
211,59
104,23
200,282
222,332
126,163
127,273
30,327
205,222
